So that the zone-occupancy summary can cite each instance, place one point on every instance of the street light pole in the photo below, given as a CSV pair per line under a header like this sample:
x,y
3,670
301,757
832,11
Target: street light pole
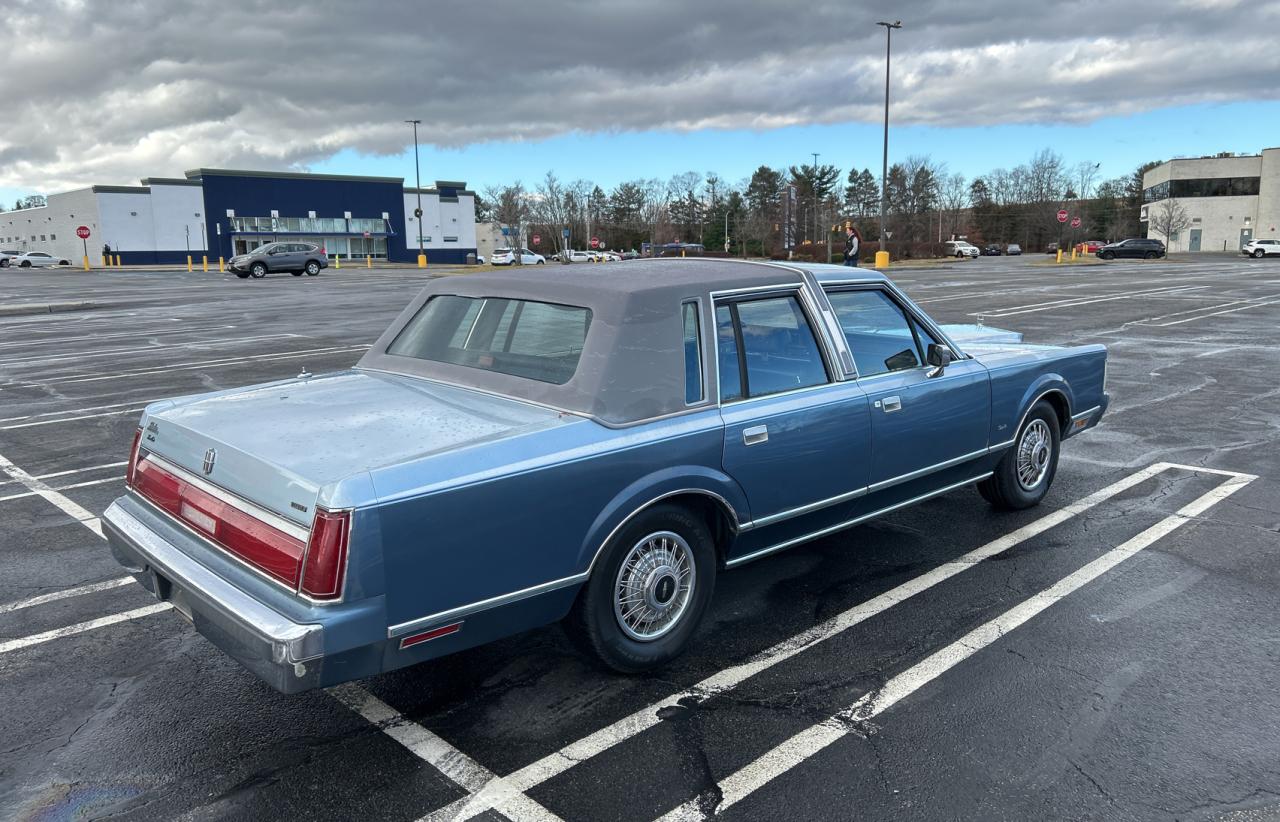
x,y
417,212
815,200
884,168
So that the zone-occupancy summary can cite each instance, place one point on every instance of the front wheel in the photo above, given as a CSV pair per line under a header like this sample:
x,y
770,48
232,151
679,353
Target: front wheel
x,y
1023,476
1108,255
244,275
258,270
1150,255
313,268
1257,253
25,264
648,592
296,273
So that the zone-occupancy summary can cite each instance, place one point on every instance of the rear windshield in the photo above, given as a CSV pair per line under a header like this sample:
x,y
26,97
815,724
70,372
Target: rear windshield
x,y
523,338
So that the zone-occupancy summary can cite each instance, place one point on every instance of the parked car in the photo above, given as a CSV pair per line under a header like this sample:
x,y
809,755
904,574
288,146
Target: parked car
x,y
517,449
1136,247
1013,250
296,258
631,254
992,250
507,256
6,256
579,256
1051,248
959,248
36,259
611,256
479,259
1261,248
1089,246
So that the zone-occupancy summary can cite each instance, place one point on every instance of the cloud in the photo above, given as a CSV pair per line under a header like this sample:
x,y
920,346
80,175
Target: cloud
x,y
114,90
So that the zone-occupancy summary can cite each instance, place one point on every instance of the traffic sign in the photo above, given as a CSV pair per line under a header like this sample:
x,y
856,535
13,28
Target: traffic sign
x,y
83,232
1075,222
564,232
595,242
1062,216
537,239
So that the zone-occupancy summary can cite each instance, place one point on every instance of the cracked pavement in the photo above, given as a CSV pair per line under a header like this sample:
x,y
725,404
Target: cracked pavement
x,y
1147,694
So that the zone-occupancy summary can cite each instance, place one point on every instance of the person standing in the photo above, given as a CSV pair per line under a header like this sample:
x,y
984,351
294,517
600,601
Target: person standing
x,y
852,242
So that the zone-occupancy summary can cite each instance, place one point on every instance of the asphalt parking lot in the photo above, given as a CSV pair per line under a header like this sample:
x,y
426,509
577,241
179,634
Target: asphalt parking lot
x,y
1111,654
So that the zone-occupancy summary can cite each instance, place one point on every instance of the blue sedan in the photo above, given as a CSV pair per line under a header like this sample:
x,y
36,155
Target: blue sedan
x,y
586,445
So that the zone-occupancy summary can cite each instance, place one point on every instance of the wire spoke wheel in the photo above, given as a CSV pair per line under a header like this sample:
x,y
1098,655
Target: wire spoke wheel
x,y
654,586
1035,451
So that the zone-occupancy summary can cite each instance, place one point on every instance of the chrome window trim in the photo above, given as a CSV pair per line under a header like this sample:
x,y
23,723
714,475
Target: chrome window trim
x,y
1085,414
241,504
921,472
822,532
829,361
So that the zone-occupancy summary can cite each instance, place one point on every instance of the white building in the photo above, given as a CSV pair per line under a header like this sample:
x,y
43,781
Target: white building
x,y
221,213
1229,200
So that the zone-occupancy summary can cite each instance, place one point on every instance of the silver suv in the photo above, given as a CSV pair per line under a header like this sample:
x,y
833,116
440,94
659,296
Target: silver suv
x,y
296,258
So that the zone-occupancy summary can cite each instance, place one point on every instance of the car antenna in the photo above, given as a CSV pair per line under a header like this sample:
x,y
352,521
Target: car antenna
x,y
304,374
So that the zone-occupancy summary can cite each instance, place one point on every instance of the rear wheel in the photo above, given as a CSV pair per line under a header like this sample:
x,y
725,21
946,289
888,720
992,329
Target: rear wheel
x,y
296,273
64,262
1108,255
1150,255
1258,252
648,592
258,270
1023,476
244,275
25,264
313,268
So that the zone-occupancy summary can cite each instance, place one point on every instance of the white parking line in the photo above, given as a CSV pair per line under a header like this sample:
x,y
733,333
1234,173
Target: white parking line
x,y
602,740
71,471
85,484
810,741
71,419
448,760
1073,302
81,627
137,350
62,502
1215,314
66,593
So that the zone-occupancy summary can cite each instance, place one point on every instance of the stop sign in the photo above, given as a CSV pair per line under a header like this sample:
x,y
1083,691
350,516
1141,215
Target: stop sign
x,y
1075,222
1062,216
537,239
595,242
83,232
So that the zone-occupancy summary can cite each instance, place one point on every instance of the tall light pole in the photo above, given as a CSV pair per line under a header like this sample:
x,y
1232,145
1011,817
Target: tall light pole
x,y
815,201
417,212
884,168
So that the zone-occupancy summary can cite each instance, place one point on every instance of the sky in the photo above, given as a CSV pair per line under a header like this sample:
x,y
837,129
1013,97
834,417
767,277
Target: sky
x,y
99,91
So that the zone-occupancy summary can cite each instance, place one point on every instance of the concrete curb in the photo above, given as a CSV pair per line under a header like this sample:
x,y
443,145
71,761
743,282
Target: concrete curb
x,y
24,309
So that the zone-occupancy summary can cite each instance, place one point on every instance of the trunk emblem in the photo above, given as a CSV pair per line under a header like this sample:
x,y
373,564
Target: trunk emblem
x,y
210,457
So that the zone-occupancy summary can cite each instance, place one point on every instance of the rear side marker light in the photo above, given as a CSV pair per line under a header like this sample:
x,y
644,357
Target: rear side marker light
x,y
427,636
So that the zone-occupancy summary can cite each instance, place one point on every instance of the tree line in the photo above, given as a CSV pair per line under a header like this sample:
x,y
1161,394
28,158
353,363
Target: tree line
x,y
802,209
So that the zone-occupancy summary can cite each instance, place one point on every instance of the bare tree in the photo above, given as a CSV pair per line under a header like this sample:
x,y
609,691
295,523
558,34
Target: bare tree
x,y
653,211
1168,218
953,196
510,208
551,208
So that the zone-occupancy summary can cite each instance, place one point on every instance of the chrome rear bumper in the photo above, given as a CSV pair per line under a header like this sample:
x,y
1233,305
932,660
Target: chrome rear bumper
x,y
287,654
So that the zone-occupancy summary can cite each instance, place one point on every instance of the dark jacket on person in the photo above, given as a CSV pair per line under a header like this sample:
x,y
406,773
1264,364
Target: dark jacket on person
x,y
852,242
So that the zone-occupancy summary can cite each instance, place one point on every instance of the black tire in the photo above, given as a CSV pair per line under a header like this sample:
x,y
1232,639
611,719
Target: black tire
x,y
598,630
539,262
258,270
296,273
24,264
64,262
4,263
244,275
1108,255
1257,253
1004,489
1150,255
313,268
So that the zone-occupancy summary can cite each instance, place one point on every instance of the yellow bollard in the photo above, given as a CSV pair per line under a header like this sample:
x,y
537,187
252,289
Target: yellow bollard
x,y
1073,254
220,264
86,262
882,259
337,261
189,269
422,261
117,261
1059,255
204,263
368,261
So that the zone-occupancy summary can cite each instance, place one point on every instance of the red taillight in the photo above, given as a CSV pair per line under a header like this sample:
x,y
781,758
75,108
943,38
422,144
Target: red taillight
x,y
326,562
272,551
134,451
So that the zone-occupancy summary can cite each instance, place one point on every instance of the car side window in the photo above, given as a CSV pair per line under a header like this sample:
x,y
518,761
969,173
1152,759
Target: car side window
x,y
692,355
779,351
878,332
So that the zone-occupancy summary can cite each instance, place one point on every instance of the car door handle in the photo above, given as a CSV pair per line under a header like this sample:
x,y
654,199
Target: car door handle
x,y
755,434
891,404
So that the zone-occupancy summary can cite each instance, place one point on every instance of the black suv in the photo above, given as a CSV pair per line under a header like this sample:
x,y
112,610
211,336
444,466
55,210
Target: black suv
x,y
1135,248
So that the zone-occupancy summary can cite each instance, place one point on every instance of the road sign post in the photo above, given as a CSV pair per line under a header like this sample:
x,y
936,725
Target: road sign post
x,y
83,233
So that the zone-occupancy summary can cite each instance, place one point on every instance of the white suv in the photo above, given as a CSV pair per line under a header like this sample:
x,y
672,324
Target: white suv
x,y
959,248
1261,248
507,256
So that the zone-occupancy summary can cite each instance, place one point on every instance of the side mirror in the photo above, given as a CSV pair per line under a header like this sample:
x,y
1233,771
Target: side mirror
x,y
938,357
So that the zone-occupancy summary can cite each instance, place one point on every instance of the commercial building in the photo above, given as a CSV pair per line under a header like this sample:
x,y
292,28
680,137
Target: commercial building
x,y
1229,199
220,213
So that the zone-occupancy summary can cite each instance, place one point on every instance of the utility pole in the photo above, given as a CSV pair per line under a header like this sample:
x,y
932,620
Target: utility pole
x,y
417,212
884,168
815,198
